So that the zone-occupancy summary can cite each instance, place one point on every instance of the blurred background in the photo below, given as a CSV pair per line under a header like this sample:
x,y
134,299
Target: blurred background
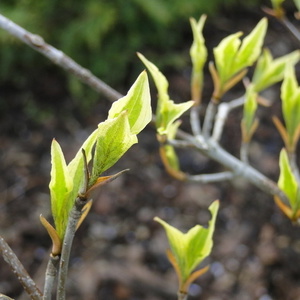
x,y
119,250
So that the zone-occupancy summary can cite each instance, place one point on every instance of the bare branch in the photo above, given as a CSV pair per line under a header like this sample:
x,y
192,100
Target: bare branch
x,y
59,58
222,114
209,178
18,269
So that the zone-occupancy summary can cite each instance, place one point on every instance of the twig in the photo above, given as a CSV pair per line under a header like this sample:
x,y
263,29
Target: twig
x,y
209,118
222,114
50,277
292,29
244,152
209,178
195,120
74,217
18,269
59,58
239,168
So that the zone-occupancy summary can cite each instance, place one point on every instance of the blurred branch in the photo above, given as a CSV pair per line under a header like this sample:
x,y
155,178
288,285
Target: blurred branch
x,y
18,269
59,58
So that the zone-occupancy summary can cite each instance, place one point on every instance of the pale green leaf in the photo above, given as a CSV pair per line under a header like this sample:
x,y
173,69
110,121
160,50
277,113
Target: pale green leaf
x,y
277,3
287,181
268,71
290,96
198,51
113,140
137,103
297,3
170,112
60,186
250,107
225,54
251,47
160,81
76,166
191,248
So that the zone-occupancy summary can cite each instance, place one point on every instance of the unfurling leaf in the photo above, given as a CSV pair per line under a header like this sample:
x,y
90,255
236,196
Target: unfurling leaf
x,y
61,186
287,181
269,71
290,96
198,53
114,139
249,122
233,55
191,248
137,103
167,111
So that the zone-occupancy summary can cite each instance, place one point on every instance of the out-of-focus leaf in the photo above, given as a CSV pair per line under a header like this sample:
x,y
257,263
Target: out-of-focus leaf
x,y
269,71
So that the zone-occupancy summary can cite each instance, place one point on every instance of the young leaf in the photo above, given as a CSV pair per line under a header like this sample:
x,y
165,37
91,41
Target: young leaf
x,y
190,249
269,71
250,107
113,140
287,181
60,186
198,53
137,103
167,111
251,46
277,4
290,95
225,54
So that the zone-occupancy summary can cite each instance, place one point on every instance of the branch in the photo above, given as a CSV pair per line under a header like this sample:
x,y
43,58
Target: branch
x,y
59,58
18,269
209,178
215,152
222,114
73,220
50,277
292,29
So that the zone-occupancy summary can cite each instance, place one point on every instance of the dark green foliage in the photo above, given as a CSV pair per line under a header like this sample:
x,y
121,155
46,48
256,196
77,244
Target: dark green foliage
x,y
101,35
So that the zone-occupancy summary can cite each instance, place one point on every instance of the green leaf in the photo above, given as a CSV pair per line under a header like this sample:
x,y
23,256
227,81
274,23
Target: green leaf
x,y
290,95
251,46
287,181
277,3
269,71
250,107
297,3
160,81
113,140
167,111
137,103
76,166
60,186
225,54
198,53
232,55
191,248
170,112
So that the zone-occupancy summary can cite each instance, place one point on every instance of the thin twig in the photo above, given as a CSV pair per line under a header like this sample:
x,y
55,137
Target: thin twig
x,y
59,58
244,152
209,119
50,277
74,217
18,269
209,178
239,168
195,120
292,29
222,114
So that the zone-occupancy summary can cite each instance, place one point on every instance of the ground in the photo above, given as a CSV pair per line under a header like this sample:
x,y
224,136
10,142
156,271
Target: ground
x,y
119,251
